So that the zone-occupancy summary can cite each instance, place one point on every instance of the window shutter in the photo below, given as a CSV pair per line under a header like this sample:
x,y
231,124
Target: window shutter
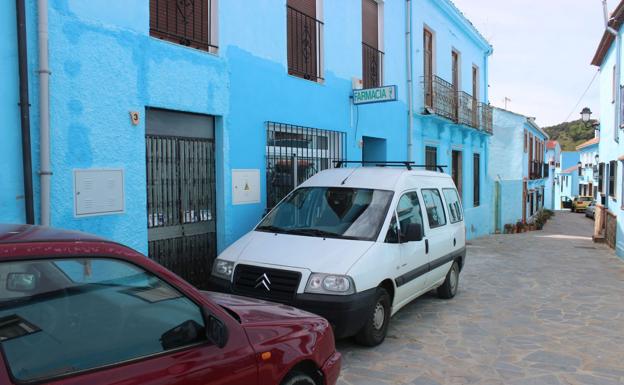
x,y
304,6
370,20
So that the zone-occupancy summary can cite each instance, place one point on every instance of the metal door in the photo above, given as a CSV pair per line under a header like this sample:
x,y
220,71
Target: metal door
x,y
181,193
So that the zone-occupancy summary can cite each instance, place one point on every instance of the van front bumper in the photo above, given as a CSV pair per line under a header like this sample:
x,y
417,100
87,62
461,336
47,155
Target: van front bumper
x,y
346,313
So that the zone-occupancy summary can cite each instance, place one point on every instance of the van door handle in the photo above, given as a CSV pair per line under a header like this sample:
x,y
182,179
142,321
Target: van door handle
x,y
426,246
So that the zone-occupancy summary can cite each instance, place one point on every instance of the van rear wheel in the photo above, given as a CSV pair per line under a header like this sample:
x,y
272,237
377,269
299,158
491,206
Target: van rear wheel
x,y
374,331
449,287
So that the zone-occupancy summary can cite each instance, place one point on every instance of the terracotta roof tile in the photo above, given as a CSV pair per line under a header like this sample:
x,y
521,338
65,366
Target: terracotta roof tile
x,y
588,143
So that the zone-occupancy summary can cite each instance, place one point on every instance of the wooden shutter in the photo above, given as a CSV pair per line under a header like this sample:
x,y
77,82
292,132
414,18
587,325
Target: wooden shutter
x,y
303,33
370,20
428,66
183,22
455,59
304,6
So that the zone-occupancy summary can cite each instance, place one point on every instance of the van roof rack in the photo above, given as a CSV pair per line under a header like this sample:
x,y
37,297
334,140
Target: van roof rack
x,y
408,165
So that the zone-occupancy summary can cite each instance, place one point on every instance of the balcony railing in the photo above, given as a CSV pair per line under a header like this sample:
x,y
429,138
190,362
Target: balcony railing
x,y
304,38
372,66
442,99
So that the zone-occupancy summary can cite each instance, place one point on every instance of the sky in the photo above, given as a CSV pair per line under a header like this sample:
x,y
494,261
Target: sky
x,y
542,54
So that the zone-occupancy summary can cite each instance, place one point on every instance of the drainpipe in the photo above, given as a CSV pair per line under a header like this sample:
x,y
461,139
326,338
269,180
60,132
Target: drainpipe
x,y
24,104
44,111
408,61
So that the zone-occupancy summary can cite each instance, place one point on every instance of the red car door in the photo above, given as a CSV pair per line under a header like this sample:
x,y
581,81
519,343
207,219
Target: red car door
x,y
106,321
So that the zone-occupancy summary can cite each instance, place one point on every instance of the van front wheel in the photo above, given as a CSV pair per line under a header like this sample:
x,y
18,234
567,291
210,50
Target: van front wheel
x,y
449,287
374,331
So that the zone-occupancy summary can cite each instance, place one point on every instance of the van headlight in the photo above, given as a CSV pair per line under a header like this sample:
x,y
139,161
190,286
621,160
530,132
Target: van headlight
x,y
319,283
223,269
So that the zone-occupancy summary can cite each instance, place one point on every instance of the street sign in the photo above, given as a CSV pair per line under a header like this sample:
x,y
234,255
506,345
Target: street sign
x,y
375,95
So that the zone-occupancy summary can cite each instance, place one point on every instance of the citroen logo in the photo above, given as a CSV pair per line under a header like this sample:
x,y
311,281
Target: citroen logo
x,y
264,281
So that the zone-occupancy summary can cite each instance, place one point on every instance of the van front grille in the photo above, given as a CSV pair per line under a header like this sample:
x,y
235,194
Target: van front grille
x,y
261,282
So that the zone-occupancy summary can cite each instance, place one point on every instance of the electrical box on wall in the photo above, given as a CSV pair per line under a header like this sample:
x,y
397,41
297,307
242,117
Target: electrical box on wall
x,y
245,186
98,192
357,83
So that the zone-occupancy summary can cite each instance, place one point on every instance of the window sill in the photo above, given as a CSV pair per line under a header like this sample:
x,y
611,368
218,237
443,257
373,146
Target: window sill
x,y
213,51
319,81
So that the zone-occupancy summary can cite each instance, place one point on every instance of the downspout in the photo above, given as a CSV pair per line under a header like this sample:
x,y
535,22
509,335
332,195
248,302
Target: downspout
x,y
22,52
408,62
44,111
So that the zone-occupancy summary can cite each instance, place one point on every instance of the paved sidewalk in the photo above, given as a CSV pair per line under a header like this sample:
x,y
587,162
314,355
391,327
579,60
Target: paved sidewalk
x,y
544,308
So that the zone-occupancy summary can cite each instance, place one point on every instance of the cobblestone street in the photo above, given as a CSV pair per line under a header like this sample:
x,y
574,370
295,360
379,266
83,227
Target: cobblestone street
x,y
543,307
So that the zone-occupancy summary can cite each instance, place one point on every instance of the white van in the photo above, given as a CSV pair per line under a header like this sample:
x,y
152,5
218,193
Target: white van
x,y
353,245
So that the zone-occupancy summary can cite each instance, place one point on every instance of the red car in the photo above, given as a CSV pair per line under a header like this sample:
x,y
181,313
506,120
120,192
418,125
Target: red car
x,y
77,309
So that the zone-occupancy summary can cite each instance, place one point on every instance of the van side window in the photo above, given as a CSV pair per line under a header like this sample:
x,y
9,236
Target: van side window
x,y
408,210
453,205
434,206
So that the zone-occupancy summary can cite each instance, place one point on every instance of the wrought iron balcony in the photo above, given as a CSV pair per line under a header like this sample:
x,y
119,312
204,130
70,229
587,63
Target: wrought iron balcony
x,y
372,66
442,99
304,35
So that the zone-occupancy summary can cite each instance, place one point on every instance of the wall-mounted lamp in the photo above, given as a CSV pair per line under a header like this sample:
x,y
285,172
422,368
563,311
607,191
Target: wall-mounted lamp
x,y
586,116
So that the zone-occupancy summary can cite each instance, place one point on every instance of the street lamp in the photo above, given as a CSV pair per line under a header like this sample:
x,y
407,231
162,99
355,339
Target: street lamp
x,y
586,116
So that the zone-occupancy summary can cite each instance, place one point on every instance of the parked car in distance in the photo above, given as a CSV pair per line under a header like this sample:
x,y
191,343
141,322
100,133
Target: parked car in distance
x,y
77,309
579,204
590,211
354,245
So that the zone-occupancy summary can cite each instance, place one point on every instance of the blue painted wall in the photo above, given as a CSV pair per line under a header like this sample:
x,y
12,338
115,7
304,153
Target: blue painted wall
x,y
511,169
104,64
553,158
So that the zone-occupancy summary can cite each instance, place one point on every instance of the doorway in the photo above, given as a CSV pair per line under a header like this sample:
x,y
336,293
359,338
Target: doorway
x,y
180,165
373,149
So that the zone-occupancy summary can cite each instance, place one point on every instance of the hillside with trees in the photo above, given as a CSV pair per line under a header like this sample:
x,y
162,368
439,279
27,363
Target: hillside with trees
x,y
570,134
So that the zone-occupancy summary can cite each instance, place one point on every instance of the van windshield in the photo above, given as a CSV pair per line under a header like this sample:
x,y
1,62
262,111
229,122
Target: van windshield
x,y
330,212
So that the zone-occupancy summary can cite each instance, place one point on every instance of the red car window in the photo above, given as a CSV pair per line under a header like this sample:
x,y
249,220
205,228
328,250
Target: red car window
x,y
61,316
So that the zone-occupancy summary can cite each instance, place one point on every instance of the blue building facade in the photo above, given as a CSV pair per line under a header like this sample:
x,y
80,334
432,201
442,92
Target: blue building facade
x,y
608,57
173,129
589,167
553,154
566,178
520,177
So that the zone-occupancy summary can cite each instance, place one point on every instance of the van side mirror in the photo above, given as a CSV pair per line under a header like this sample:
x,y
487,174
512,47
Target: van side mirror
x,y
413,233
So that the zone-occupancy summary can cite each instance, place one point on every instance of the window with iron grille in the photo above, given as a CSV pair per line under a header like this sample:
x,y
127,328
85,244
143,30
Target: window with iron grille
x,y
304,34
295,153
431,158
372,57
187,22
612,174
476,160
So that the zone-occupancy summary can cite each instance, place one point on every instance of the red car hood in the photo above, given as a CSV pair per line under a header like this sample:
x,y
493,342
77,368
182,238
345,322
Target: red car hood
x,y
255,311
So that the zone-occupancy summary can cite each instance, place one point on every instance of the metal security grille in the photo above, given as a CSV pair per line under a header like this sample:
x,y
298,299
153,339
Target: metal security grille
x,y
372,66
295,153
186,22
181,205
431,158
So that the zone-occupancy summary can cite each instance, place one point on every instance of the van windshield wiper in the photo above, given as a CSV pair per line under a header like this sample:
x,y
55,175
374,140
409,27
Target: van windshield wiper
x,y
271,229
318,233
